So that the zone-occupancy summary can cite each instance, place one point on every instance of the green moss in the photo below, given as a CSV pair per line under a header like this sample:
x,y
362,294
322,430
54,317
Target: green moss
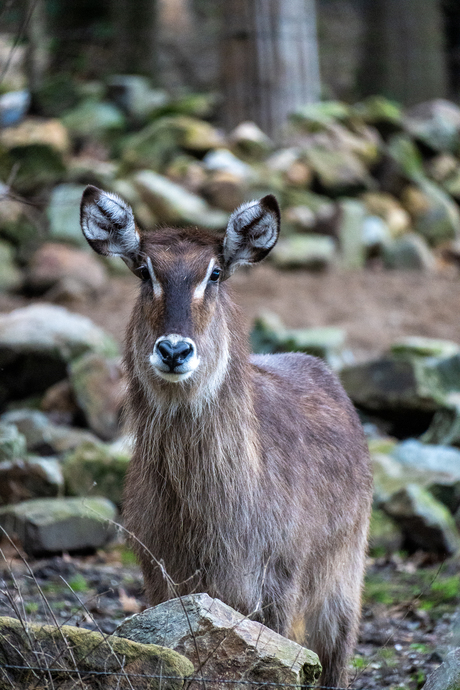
x,y
78,583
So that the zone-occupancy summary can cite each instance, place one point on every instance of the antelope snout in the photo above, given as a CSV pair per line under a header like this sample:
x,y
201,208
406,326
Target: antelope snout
x,y
174,357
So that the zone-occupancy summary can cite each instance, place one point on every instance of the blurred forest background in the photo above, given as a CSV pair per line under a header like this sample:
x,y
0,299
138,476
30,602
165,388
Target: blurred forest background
x,y
349,112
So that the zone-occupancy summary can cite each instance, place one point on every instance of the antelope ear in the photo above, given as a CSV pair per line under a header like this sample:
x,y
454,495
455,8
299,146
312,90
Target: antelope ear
x,y
252,232
108,224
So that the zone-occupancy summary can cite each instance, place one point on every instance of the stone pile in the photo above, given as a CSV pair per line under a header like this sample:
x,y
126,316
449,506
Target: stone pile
x,y
368,182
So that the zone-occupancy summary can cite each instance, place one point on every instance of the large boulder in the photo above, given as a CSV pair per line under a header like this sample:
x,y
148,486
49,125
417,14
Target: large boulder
x,y
425,522
98,387
223,643
70,655
409,252
435,215
36,344
446,676
12,443
436,124
313,252
96,468
52,525
94,119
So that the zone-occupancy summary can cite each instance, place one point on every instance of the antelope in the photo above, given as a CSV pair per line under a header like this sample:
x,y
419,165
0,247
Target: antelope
x,y
250,477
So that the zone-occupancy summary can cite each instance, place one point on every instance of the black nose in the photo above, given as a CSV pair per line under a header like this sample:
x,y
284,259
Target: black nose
x,y
174,355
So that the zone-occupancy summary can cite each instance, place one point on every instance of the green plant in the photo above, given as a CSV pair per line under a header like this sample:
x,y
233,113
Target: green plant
x,y
31,607
78,583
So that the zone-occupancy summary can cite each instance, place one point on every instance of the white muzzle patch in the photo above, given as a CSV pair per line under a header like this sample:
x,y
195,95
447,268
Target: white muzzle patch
x,y
167,370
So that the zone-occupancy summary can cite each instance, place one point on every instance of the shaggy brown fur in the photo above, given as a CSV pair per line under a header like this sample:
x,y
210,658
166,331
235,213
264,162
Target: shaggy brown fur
x,y
250,480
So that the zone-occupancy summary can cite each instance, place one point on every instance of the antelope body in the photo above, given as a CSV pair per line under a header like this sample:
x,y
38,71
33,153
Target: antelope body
x,y
250,478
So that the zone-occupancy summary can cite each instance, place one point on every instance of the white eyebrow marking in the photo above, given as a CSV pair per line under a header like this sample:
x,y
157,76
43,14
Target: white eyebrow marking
x,y
201,287
157,289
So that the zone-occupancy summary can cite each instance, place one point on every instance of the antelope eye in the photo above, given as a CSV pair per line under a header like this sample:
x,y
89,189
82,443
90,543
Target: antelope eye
x,y
143,273
214,277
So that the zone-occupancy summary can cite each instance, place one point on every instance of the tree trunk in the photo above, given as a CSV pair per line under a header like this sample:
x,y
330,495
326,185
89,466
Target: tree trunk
x,y
405,54
135,23
37,55
270,62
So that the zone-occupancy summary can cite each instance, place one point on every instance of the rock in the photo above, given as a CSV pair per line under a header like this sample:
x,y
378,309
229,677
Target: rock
x,y
385,537
380,112
409,252
32,477
98,386
388,209
445,427
442,167
435,215
36,344
13,106
12,442
93,119
338,170
173,204
44,437
59,402
440,464
223,160
76,649
186,171
16,223
228,645
425,522
376,235
10,275
350,233
270,336
37,148
88,170
446,676
224,190
315,115
403,381
52,525
436,124
299,218
64,214
313,252
156,145
249,142
94,468
404,153
54,263
419,346
134,95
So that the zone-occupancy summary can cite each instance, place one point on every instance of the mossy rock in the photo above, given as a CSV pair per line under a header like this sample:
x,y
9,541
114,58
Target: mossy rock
x,y
95,468
74,654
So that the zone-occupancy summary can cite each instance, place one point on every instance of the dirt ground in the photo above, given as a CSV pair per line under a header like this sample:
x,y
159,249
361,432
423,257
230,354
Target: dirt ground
x,y
375,307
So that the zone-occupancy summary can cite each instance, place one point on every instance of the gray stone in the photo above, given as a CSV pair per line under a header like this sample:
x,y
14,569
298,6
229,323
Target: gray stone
x,y
134,95
42,436
10,275
409,252
350,233
173,204
96,468
54,263
12,443
269,335
249,142
223,160
439,218
435,123
36,149
376,235
313,252
13,107
426,523
94,119
52,525
378,110
36,344
406,155
32,477
64,214
315,115
147,667
446,676
338,169
228,645
419,346
98,385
